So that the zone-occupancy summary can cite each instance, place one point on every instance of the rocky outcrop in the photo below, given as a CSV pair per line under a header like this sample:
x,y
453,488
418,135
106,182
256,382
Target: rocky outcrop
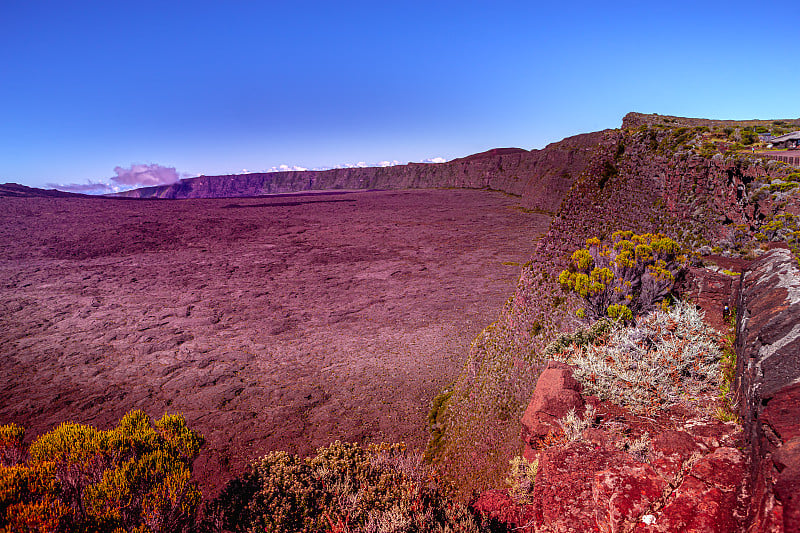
x,y
557,392
541,177
714,292
680,471
768,385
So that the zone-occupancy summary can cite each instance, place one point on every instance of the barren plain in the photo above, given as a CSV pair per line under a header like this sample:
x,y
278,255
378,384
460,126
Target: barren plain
x,y
281,322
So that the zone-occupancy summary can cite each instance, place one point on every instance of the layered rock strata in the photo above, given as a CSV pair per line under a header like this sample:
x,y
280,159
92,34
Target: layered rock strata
x,y
768,385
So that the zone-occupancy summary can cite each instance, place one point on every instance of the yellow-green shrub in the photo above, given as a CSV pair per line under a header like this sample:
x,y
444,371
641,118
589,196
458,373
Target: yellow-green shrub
x,y
78,478
627,277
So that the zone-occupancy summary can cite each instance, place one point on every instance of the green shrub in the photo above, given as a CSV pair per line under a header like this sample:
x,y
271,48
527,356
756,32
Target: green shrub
x,y
77,478
626,278
596,333
345,487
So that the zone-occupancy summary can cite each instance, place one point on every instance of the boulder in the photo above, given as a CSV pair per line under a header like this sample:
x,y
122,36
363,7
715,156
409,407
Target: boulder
x,y
556,393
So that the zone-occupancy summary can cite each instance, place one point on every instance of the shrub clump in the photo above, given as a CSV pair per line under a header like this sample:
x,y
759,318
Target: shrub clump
x,y
582,337
626,278
345,487
135,477
669,356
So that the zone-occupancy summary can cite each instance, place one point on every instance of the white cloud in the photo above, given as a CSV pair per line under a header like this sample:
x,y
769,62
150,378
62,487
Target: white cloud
x,y
287,168
435,160
140,175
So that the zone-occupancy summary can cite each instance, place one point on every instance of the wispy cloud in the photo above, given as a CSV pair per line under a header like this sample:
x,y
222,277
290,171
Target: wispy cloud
x,y
287,168
140,175
360,164
91,187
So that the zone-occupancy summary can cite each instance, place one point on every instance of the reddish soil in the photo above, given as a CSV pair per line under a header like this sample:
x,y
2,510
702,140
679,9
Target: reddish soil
x,y
270,323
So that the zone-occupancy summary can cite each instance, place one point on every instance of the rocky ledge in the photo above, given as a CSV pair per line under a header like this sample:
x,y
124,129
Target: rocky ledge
x,y
768,385
678,469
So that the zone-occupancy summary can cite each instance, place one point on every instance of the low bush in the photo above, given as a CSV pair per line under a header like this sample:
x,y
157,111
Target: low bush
x,y
345,487
135,477
521,478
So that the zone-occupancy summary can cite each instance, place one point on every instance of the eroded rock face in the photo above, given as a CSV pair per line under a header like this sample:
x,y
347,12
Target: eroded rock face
x,y
714,292
768,385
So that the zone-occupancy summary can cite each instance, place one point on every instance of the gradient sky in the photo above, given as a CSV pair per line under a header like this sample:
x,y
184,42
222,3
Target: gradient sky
x,y
217,87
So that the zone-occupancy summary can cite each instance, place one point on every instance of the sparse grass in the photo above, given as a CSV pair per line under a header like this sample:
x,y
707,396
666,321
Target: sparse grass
x,y
727,412
573,425
639,448
521,478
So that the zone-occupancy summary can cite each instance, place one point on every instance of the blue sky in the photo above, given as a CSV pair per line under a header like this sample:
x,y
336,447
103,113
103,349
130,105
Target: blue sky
x,y
217,87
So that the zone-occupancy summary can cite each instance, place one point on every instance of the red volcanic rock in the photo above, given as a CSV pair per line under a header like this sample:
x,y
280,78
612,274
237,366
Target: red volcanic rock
x,y
713,292
696,507
723,468
787,486
782,413
670,450
768,368
623,493
595,485
685,478
707,499
557,392
564,492
671,442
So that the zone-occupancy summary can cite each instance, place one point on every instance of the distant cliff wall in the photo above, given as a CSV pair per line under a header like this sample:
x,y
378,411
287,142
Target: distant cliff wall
x,y
541,177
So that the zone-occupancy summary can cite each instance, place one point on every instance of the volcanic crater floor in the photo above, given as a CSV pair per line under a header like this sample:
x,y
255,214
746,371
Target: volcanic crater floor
x,y
283,322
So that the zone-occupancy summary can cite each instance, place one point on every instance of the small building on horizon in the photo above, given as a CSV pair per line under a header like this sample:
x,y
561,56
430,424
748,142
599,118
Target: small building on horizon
x,y
790,140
